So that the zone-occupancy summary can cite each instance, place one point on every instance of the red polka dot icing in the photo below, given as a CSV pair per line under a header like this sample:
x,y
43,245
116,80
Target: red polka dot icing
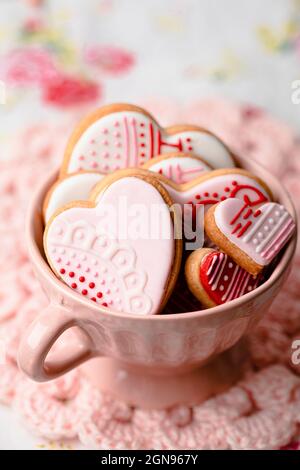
x,y
223,279
107,267
116,139
107,271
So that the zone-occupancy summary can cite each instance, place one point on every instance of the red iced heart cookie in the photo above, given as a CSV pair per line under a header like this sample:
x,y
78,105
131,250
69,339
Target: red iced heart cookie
x,y
87,247
251,236
214,278
121,136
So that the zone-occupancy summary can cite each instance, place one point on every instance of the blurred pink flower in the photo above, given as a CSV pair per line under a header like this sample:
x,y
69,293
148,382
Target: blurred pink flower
x,y
109,58
35,3
32,25
66,90
25,66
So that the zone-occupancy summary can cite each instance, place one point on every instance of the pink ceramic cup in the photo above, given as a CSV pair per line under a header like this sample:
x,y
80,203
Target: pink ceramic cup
x,y
153,361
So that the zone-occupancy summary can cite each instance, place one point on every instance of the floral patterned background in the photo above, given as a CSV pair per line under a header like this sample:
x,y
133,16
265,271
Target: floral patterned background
x,y
57,55
60,58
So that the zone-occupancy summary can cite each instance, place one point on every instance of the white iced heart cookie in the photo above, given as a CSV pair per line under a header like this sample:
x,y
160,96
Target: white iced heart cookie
x,y
180,168
124,272
74,187
121,136
251,236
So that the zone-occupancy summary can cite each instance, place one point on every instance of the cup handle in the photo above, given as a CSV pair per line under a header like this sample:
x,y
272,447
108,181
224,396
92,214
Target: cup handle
x,y
39,339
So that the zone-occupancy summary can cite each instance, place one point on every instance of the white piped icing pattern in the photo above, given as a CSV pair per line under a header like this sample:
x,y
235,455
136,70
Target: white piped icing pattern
x,y
226,280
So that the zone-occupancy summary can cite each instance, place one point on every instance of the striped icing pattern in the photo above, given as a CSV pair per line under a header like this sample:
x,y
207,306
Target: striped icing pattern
x,y
261,233
223,279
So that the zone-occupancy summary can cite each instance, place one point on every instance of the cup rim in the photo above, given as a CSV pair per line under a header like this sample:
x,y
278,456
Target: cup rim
x,y
41,264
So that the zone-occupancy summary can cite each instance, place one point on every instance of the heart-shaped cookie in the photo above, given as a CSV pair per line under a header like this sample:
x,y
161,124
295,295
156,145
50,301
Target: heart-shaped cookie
x,y
251,236
73,187
180,168
121,136
214,278
109,251
212,187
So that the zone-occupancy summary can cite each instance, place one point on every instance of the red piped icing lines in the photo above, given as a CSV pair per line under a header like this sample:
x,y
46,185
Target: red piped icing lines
x,y
251,195
241,228
151,136
178,174
245,211
223,279
258,198
174,145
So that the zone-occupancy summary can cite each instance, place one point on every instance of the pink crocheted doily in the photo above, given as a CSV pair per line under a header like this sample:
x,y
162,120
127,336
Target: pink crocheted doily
x,y
262,411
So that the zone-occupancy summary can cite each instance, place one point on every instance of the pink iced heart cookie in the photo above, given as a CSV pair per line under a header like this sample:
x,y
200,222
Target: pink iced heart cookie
x,y
121,136
105,251
214,278
213,187
180,168
219,185
251,236
73,187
